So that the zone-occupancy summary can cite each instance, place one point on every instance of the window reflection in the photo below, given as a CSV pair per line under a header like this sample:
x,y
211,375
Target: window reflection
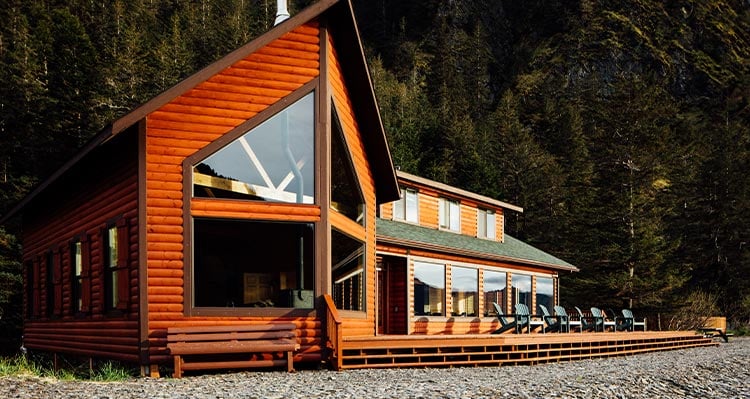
x,y
348,259
521,285
544,292
465,291
429,289
272,162
495,284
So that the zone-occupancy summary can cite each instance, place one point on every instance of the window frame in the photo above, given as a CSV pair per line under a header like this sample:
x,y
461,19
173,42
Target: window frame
x,y
444,301
490,229
489,310
446,217
283,211
403,204
455,293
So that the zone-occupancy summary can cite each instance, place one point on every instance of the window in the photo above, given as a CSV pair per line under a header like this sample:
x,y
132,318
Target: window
x,y
50,269
429,289
31,290
407,207
449,214
521,285
111,265
545,292
274,161
495,284
465,291
76,257
486,224
346,196
241,263
348,267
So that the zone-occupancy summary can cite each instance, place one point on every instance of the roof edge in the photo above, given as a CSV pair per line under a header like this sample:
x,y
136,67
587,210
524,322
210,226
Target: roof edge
x,y
457,191
474,254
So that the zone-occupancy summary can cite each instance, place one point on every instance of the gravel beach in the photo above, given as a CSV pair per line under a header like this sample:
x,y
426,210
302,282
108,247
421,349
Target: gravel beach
x,y
716,372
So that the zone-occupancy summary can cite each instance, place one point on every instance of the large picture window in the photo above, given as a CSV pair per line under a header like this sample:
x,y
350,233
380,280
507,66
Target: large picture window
x,y
348,268
274,161
521,285
429,289
346,196
465,291
545,292
242,263
495,290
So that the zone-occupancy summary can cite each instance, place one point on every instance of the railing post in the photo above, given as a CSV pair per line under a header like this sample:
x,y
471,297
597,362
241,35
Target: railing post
x,y
333,337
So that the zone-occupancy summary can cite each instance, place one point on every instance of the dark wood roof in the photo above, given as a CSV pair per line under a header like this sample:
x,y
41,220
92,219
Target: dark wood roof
x,y
340,18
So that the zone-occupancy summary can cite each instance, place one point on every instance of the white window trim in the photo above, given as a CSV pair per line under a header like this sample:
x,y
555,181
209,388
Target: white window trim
x,y
403,204
441,215
490,228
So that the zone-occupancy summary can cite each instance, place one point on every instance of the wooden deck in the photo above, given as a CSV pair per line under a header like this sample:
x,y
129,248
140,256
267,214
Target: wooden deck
x,y
510,349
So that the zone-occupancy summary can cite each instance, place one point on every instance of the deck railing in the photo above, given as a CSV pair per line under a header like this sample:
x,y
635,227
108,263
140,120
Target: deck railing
x,y
333,334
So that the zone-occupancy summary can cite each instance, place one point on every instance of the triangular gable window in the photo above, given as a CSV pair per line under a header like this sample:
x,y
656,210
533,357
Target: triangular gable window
x,y
273,161
346,196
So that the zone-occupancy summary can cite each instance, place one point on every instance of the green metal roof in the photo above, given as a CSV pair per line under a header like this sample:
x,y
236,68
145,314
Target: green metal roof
x,y
510,250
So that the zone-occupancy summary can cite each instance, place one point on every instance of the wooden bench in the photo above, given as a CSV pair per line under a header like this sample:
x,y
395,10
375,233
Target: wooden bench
x,y
224,347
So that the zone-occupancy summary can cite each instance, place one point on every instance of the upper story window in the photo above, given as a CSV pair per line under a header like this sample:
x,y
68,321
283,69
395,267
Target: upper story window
x,y
486,224
273,161
449,214
407,207
346,195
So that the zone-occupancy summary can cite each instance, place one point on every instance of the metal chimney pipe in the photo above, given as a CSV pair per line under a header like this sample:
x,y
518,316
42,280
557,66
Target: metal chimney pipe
x,y
282,14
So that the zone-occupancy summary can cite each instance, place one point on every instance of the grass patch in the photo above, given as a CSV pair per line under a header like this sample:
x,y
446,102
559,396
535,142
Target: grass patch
x,y
42,366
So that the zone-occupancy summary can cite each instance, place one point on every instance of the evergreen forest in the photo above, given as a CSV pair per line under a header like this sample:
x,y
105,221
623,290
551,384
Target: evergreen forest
x,y
621,127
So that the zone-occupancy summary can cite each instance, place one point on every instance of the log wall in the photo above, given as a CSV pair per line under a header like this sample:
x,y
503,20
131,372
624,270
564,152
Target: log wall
x,y
101,191
187,124
356,325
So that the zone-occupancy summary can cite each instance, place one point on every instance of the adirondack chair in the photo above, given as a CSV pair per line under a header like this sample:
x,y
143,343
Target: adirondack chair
x,y
630,323
553,322
601,323
526,319
566,322
586,325
505,325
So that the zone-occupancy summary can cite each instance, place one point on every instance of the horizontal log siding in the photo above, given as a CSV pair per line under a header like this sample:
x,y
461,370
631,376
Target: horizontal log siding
x,y
187,124
500,225
342,101
386,211
83,205
468,220
428,210
117,340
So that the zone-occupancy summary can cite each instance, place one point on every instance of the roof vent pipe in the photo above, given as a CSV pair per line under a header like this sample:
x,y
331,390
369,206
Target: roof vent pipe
x,y
282,14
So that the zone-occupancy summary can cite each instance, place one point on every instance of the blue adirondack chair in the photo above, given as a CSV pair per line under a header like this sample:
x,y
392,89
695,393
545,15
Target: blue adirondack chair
x,y
526,319
505,325
553,322
566,322
630,323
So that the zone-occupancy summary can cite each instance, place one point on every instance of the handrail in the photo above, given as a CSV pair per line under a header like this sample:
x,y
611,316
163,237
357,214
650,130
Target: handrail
x,y
333,333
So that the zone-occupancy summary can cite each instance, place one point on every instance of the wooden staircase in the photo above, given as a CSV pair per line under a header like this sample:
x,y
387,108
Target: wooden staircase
x,y
489,350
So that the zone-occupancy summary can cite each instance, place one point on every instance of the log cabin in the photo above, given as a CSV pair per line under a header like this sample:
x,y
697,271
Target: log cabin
x,y
260,190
